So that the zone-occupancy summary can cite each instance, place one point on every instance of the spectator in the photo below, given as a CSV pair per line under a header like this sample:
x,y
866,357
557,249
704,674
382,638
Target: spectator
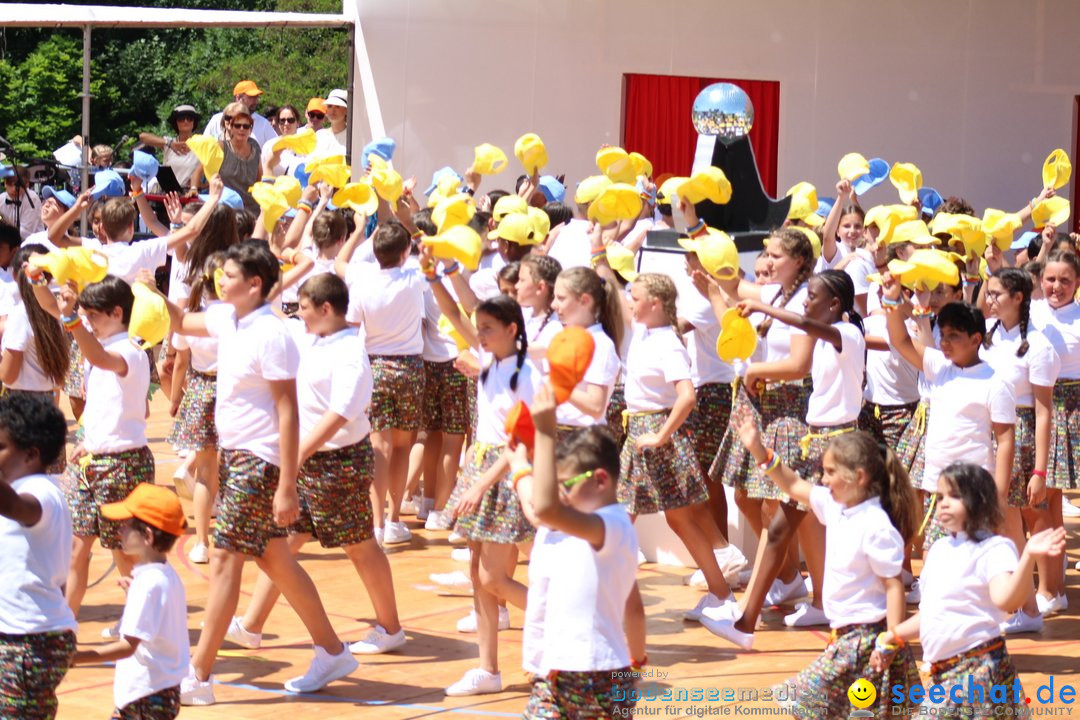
x,y
185,166
332,140
316,113
246,92
20,206
241,167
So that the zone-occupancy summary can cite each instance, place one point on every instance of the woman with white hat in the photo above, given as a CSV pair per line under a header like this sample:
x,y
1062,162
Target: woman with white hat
x,y
185,166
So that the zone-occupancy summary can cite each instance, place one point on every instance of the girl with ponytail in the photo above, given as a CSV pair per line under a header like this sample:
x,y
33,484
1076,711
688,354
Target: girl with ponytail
x,y
1027,359
535,290
870,513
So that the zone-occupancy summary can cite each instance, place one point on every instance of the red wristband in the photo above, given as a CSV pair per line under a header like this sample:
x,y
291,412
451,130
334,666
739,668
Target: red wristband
x,y
1040,473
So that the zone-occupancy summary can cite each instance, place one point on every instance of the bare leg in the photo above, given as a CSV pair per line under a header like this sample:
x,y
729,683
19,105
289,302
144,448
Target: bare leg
x,y
717,505
77,406
226,568
265,595
401,442
451,460
1013,528
1051,578
417,464
495,559
684,522
634,624
812,538
383,447
773,547
78,571
374,570
487,614
206,488
295,584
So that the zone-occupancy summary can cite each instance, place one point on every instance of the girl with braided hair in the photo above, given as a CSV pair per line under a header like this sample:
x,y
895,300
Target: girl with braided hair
x,y
535,289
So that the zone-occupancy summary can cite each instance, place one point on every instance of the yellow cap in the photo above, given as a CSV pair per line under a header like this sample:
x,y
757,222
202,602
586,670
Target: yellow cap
x,y
290,188
641,164
669,189
271,201
716,251
852,166
590,187
488,160
926,268
614,162
460,243
812,236
622,261
965,230
1001,226
616,202
359,196
456,210
447,328
507,205
1056,170
82,264
541,222
302,142
912,231
1051,211
907,179
531,153
887,217
386,181
149,323
708,184
804,204
331,170
738,339
208,152
516,228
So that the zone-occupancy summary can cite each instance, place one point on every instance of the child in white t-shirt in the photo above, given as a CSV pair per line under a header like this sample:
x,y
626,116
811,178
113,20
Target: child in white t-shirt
x,y
151,651
37,628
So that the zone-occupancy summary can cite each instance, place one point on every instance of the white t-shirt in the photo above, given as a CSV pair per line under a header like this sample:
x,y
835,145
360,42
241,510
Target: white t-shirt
x,y
156,614
571,247
36,561
859,267
1039,365
204,350
705,365
390,304
334,375
251,352
602,371
19,337
127,259
484,283
329,143
656,361
321,266
183,166
966,402
1061,327
861,548
115,415
890,379
540,329
438,347
838,378
495,399
956,612
577,598
778,340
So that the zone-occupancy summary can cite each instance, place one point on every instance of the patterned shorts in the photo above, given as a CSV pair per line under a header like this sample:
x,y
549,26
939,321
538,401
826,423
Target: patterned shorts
x,y
584,695
446,406
1023,456
73,381
31,667
499,519
985,665
780,413
709,421
335,505
162,705
616,406
194,427
886,422
665,478
105,478
815,443
58,465
820,691
1063,465
245,521
912,446
398,397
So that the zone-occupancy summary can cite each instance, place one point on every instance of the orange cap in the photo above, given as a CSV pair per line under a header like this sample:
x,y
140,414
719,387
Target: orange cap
x,y
153,504
317,104
569,355
519,425
246,87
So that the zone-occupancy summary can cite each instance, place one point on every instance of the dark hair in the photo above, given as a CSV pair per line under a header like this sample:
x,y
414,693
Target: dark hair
x,y
50,342
1034,246
495,195
1035,269
840,285
245,224
34,422
606,299
327,229
956,206
960,316
326,288
1065,256
391,239
888,478
796,245
1015,280
558,213
112,292
218,235
287,106
256,260
9,235
162,541
509,272
976,489
173,116
423,222
118,217
590,448
853,209
504,310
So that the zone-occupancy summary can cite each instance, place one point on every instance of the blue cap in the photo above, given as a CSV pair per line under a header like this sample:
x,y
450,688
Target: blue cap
x,y
931,200
107,183
879,170
7,171
144,166
300,173
435,178
555,191
1024,240
825,206
229,198
62,196
383,147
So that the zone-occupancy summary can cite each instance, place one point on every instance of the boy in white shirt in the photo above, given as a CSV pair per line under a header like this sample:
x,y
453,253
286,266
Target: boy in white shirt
x,y
114,451
388,302
151,653
35,540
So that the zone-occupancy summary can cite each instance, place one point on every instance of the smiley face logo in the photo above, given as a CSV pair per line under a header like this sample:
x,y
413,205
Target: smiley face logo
x,y
862,693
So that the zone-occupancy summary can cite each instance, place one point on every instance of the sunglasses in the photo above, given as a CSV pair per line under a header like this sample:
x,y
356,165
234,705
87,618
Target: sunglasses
x,y
241,126
316,115
188,118
287,120
577,479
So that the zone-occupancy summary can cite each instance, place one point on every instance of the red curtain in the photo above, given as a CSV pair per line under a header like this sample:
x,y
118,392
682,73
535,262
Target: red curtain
x,y
656,121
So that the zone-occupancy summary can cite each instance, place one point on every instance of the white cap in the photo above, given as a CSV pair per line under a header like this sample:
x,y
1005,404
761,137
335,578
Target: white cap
x,y
339,98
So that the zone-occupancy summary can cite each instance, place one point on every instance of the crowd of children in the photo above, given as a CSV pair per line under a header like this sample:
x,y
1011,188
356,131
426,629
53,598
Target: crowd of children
x,y
324,371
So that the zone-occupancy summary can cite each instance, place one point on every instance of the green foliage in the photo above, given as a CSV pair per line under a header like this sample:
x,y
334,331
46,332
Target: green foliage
x,y
138,76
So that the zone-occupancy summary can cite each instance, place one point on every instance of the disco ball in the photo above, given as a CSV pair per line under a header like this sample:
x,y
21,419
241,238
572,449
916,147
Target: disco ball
x,y
724,110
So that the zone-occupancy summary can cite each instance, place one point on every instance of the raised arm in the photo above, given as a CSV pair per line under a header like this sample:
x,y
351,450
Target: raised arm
x,y
145,212
58,230
784,477
813,328
190,231
909,349
341,263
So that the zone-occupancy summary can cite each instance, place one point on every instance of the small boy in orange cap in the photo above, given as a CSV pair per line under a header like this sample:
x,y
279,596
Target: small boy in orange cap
x,y
151,653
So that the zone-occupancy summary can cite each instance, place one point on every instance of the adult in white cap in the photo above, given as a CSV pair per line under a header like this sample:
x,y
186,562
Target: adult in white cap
x,y
177,156
246,92
333,140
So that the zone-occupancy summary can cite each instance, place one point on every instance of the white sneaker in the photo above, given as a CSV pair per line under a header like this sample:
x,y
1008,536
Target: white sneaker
x,y
379,536
476,682
1049,606
411,506
725,609
461,554
456,538
809,582
914,595
1021,622
184,482
710,602
378,641
112,632
781,592
199,554
438,520
194,691
240,635
806,615
456,580
1069,510
725,628
396,533
467,624
731,561
324,669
